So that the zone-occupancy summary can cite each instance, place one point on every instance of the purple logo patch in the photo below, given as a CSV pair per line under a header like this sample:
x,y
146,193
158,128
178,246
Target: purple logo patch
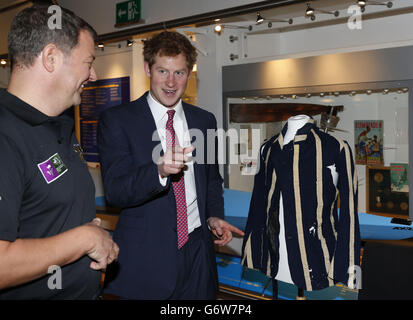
x,y
53,168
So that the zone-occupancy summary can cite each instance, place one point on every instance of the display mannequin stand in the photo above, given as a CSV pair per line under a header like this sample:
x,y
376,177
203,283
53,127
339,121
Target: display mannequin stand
x,y
300,295
274,289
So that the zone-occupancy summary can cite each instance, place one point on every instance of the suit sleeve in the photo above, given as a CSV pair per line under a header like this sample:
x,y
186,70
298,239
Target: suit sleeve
x,y
125,183
346,259
215,199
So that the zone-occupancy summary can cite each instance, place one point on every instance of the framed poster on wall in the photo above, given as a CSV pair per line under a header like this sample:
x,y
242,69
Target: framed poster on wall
x,y
96,97
368,142
380,199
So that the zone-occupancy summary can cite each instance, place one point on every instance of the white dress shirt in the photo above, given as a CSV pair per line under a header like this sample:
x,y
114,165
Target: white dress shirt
x,y
159,113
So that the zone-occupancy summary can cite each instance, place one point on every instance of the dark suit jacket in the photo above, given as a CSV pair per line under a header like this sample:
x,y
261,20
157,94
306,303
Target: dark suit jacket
x,y
146,230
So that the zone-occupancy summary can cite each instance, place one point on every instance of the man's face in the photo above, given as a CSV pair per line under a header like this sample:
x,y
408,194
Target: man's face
x,y
168,79
77,69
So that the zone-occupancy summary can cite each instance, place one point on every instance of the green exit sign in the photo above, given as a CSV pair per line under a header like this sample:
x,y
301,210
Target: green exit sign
x,y
128,12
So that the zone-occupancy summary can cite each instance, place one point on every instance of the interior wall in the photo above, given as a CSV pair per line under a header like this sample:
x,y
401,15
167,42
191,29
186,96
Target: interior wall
x,y
6,19
4,76
113,63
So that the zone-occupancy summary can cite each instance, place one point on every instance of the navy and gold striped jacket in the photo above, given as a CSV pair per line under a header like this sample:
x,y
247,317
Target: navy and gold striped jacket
x,y
323,244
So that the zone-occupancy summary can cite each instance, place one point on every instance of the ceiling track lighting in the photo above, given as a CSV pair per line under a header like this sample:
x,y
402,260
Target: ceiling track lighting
x,y
363,3
129,43
260,20
220,27
310,12
3,62
289,21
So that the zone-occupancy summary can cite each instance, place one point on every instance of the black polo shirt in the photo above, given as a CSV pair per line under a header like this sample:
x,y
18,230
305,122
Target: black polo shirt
x,y
45,189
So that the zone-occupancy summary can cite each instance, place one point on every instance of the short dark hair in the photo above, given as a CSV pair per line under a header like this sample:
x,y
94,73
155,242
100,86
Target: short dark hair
x,y
170,44
30,33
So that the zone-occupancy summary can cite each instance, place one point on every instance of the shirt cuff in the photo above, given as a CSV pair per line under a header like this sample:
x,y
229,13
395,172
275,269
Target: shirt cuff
x,y
162,181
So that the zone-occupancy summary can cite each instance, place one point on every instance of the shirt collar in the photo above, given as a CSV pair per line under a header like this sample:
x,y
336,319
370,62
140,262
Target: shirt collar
x,y
24,111
300,135
159,111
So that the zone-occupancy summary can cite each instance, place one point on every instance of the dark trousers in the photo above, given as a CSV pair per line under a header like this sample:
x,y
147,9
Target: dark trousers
x,y
195,280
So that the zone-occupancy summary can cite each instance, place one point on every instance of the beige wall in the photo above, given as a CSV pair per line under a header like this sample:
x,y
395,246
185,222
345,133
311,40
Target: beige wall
x,y
6,19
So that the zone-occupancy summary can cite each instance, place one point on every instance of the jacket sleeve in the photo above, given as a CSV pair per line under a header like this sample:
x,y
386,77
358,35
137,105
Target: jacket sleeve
x,y
254,256
346,259
215,198
125,183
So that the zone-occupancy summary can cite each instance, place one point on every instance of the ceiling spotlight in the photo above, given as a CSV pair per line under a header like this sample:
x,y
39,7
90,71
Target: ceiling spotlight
x,y
101,45
219,27
310,12
3,62
260,19
363,3
129,43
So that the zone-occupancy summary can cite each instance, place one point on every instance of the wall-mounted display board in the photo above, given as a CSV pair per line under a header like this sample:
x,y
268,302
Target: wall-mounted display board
x,y
380,198
96,97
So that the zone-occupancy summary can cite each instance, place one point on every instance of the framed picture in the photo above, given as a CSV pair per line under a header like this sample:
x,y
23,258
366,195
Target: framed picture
x,y
399,176
368,142
381,199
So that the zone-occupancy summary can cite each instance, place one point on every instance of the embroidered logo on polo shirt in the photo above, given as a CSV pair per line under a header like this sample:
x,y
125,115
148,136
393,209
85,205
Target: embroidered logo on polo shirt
x,y
53,168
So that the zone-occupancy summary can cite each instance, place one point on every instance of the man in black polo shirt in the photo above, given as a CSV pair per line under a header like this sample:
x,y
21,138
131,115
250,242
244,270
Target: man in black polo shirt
x,y
51,247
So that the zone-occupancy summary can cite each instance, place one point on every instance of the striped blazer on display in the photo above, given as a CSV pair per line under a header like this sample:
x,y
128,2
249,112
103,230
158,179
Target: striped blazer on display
x,y
323,241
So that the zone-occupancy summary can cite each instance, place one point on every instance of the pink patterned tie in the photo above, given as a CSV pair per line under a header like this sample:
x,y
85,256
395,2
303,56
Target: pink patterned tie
x,y
178,184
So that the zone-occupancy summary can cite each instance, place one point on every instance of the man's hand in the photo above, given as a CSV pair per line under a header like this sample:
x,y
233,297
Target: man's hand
x,y
222,230
173,160
104,250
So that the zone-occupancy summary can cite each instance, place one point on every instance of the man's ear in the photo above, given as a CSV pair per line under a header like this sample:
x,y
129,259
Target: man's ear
x,y
147,69
51,57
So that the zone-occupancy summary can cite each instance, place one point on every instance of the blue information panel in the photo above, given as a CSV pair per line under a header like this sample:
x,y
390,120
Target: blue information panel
x,y
96,97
